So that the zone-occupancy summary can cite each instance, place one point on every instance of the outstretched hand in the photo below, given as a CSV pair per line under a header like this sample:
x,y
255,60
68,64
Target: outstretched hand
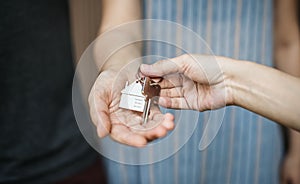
x,y
123,125
190,82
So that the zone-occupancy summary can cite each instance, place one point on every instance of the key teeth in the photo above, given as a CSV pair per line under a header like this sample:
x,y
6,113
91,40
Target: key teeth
x,y
147,111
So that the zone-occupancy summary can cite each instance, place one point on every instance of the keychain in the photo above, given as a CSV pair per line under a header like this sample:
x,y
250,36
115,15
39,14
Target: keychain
x,y
138,95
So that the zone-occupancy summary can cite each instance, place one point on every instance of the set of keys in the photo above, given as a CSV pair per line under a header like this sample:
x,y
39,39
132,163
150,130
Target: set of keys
x,y
138,96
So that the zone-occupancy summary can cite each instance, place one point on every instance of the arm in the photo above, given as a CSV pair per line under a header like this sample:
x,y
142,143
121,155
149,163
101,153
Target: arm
x,y
287,59
116,13
270,92
258,88
114,62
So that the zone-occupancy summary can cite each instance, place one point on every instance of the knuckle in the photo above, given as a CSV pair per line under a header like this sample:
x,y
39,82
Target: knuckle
x,y
180,91
175,103
168,92
168,103
184,57
161,132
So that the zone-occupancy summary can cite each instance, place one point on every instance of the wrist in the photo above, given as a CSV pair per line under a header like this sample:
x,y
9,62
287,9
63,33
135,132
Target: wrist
x,y
116,48
228,66
237,78
126,71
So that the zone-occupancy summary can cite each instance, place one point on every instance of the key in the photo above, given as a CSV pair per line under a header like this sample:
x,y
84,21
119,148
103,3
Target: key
x,y
138,95
150,89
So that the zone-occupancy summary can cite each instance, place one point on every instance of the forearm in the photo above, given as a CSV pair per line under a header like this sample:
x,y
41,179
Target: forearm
x,y
264,90
117,47
287,55
287,37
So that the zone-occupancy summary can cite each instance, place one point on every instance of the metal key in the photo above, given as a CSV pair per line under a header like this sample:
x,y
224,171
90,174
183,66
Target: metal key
x,y
150,89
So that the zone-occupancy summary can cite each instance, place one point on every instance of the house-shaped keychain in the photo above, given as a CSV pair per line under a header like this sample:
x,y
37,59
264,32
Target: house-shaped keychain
x,y
132,97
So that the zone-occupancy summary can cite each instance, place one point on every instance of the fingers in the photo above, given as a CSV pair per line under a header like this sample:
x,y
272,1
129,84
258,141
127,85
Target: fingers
x,y
164,67
165,120
173,103
99,115
199,68
157,127
127,127
124,135
129,119
172,92
138,136
168,123
103,125
123,125
170,81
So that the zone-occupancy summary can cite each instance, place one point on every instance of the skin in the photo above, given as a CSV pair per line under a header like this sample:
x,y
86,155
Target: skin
x,y
121,124
263,93
239,85
287,59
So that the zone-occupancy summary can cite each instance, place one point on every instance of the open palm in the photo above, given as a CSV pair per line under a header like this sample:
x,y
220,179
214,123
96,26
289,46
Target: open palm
x,y
123,125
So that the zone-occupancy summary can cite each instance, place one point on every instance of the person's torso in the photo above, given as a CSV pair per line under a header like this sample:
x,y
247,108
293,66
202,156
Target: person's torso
x,y
38,130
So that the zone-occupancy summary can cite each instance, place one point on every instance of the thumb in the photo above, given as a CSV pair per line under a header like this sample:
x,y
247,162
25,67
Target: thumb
x,y
99,114
103,124
163,67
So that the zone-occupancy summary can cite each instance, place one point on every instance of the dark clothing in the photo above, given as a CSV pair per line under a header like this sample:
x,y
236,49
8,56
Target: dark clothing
x,y
91,175
39,138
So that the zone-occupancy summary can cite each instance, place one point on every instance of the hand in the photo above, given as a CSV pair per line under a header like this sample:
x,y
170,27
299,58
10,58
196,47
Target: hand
x,y
123,125
190,82
290,171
